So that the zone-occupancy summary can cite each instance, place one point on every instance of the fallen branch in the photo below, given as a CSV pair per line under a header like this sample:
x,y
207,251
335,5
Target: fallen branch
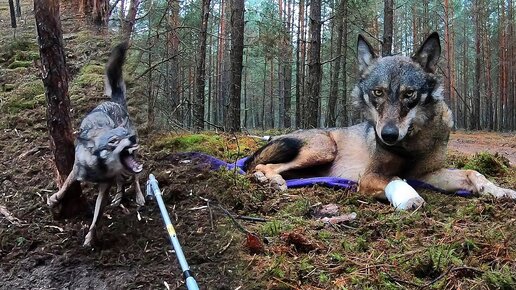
x,y
455,269
11,218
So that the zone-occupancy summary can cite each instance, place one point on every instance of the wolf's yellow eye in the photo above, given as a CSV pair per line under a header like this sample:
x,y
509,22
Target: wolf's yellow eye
x,y
377,93
409,94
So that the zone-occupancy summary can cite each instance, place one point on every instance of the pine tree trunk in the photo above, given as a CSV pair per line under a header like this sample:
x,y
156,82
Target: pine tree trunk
x,y
55,79
174,75
13,13
314,65
237,53
334,86
475,117
18,8
287,119
200,80
130,19
300,63
388,11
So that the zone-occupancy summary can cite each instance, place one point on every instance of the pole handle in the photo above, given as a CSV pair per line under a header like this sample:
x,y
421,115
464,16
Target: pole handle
x,y
191,284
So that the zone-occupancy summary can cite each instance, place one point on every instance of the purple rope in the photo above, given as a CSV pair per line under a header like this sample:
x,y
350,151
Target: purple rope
x,y
333,182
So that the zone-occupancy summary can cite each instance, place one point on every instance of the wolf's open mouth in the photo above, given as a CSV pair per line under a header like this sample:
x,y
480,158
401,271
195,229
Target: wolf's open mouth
x,y
128,160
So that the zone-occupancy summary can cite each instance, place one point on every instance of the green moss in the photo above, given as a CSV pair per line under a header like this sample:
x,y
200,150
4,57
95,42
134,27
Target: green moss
x,y
274,228
93,69
488,164
20,63
8,87
23,55
27,96
30,90
298,208
435,261
502,279
209,144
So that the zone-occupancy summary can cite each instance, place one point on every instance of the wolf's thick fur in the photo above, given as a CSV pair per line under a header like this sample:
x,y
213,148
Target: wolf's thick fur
x,y
106,145
405,135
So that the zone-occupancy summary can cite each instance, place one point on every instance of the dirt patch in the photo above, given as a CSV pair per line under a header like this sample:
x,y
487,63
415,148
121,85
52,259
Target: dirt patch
x,y
474,142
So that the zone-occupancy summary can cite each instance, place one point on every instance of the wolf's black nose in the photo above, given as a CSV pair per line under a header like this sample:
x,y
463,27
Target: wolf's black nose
x,y
390,133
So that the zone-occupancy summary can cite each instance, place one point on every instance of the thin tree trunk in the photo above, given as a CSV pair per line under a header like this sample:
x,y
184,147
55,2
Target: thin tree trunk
x,y
331,119
55,78
475,118
300,63
343,100
271,96
18,8
151,100
246,101
218,116
174,75
287,119
198,108
264,93
13,13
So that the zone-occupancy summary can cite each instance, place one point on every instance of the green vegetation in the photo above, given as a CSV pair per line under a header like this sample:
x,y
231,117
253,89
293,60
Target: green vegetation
x,y
28,95
488,164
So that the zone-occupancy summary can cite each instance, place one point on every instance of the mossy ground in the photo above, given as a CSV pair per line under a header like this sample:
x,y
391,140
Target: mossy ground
x,y
451,243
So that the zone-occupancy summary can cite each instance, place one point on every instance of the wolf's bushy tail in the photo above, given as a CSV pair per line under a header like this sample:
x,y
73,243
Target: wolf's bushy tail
x,y
115,85
280,150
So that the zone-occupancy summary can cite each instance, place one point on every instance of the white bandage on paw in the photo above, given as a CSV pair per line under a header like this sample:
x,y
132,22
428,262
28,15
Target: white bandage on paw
x,y
402,196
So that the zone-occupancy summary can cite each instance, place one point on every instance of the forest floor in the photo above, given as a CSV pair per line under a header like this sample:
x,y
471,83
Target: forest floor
x,y
451,243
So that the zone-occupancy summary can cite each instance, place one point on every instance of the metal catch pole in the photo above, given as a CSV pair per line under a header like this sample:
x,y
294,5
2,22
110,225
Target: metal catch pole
x,y
153,190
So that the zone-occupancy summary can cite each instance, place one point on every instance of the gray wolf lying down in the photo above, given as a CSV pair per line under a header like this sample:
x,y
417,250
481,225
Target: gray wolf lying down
x,y
106,145
405,134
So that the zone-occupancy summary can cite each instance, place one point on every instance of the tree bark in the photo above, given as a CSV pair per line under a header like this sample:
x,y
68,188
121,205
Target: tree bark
x,y
300,63
388,10
174,75
314,65
130,19
475,118
13,13
95,11
55,79
331,119
287,118
198,108
18,8
237,53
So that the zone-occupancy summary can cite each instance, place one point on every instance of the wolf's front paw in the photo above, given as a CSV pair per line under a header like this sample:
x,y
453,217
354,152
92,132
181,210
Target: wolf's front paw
x,y
498,192
402,196
260,177
140,200
89,239
52,201
278,183
413,203
275,181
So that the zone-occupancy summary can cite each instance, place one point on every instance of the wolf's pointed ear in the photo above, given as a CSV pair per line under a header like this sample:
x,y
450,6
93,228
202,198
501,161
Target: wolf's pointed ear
x,y
428,54
365,53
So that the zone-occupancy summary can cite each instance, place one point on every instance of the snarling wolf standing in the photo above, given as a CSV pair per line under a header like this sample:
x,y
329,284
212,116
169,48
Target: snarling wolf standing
x,y
106,145
405,135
